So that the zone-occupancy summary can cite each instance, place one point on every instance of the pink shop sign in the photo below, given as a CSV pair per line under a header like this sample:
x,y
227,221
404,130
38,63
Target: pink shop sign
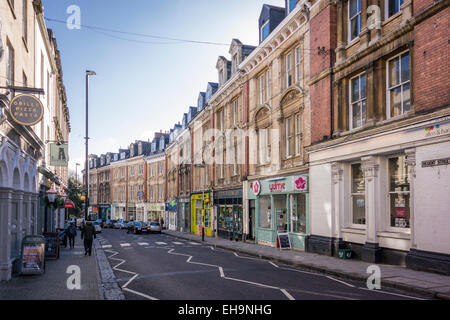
x,y
300,183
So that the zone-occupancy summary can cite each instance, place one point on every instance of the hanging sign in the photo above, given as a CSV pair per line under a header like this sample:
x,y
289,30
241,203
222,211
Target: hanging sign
x,y
256,188
300,183
70,205
26,109
59,155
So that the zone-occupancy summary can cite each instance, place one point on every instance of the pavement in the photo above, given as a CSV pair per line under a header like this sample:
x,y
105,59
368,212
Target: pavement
x,y
52,285
424,283
164,267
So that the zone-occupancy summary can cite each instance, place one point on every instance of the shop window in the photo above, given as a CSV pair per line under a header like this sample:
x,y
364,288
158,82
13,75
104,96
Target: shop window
x,y
354,20
358,195
399,192
398,86
265,212
280,212
298,219
392,7
357,101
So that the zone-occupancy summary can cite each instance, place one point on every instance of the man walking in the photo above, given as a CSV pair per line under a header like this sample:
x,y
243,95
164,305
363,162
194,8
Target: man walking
x,y
71,234
88,233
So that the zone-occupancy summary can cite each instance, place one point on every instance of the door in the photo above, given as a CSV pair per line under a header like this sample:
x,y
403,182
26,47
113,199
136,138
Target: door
x,y
251,220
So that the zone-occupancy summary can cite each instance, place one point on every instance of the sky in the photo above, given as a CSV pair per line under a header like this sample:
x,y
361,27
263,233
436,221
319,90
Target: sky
x,y
142,88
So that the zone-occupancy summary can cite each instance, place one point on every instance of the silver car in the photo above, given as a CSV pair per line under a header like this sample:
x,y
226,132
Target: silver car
x,y
120,225
154,227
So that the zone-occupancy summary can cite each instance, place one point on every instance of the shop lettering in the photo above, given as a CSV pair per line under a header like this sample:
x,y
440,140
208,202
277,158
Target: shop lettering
x,y
277,187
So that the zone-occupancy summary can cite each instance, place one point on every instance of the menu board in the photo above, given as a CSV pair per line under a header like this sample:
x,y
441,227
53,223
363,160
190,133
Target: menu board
x,y
51,245
285,242
33,258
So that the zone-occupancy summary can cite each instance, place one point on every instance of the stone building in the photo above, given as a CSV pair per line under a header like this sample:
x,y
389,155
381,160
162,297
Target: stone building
x,y
29,58
379,160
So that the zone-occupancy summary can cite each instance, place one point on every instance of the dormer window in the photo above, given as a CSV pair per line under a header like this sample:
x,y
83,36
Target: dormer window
x,y
140,148
265,30
235,63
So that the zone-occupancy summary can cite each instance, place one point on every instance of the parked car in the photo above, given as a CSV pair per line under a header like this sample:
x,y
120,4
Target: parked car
x,y
154,227
98,228
120,224
136,227
109,223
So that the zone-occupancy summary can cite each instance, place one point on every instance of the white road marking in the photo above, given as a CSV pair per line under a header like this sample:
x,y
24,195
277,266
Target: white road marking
x,y
273,264
140,294
345,283
287,294
143,243
161,243
178,243
125,245
394,294
107,246
195,243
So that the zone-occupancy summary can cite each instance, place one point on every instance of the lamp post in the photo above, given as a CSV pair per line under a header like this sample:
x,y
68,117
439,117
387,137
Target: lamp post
x,y
64,197
51,194
86,170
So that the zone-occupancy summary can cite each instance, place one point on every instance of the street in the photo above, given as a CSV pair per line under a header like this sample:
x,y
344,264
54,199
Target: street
x,y
162,267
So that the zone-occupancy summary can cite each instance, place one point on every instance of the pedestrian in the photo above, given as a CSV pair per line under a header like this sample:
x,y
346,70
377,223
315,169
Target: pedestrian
x,y
71,234
162,223
88,233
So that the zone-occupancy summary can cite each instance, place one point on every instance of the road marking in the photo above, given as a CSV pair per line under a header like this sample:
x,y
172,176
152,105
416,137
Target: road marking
x,y
345,283
273,264
140,294
125,245
195,243
161,243
178,243
107,246
394,294
287,294
143,243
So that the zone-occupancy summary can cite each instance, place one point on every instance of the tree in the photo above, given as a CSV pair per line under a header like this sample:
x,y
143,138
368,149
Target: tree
x,y
74,193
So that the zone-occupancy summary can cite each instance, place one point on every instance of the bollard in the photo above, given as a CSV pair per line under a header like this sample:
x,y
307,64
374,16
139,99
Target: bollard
x,y
203,234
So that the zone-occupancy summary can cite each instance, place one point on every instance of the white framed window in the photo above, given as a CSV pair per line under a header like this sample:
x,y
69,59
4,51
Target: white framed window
x,y
398,85
262,89
10,64
141,169
289,137
265,30
399,193
392,7
358,195
264,146
297,63
298,134
358,97
267,85
288,70
354,19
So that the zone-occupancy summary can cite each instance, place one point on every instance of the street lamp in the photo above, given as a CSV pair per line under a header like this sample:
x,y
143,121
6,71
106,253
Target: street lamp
x,y
51,195
86,170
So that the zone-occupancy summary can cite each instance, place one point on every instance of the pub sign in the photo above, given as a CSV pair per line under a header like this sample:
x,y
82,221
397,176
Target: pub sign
x,y
26,109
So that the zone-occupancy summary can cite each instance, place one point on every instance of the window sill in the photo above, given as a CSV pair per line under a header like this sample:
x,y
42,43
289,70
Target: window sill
x,y
394,234
391,18
360,231
396,118
352,43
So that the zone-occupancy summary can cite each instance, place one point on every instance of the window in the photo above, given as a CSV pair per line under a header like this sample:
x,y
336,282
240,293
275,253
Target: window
x,y
10,65
292,5
235,63
141,169
262,87
354,20
288,70
265,30
398,85
357,101
265,212
235,112
131,171
393,6
358,195
264,146
297,64
298,134
399,192
298,217
289,137
267,85
24,20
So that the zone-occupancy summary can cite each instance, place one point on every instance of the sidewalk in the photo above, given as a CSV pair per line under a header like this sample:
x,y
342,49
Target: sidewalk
x,y
430,284
52,285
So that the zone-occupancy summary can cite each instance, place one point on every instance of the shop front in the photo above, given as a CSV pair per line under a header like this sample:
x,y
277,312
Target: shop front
x,y
118,211
281,205
170,218
104,211
131,212
228,205
154,211
140,212
183,214
201,213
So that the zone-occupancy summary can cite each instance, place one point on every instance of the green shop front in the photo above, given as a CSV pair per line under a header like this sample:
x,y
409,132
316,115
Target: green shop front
x,y
280,205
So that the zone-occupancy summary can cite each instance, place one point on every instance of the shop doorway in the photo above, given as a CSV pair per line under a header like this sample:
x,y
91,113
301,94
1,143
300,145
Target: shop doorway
x,y
251,220
280,212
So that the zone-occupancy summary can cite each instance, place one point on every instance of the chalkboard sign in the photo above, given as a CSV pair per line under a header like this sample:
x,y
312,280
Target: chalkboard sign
x,y
283,239
33,253
51,245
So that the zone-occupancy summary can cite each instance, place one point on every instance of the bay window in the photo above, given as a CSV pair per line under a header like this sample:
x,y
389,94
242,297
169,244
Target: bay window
x,y
398,85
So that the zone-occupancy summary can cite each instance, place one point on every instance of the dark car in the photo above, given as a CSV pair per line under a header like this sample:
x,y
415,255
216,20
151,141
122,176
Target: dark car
x,y
136,227
109,224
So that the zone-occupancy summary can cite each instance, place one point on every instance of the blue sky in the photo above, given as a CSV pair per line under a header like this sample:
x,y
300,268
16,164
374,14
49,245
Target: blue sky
x,y
142,88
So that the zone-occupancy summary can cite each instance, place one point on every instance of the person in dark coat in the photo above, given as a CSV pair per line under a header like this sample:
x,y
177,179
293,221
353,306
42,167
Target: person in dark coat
x,y
71,232
88,234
